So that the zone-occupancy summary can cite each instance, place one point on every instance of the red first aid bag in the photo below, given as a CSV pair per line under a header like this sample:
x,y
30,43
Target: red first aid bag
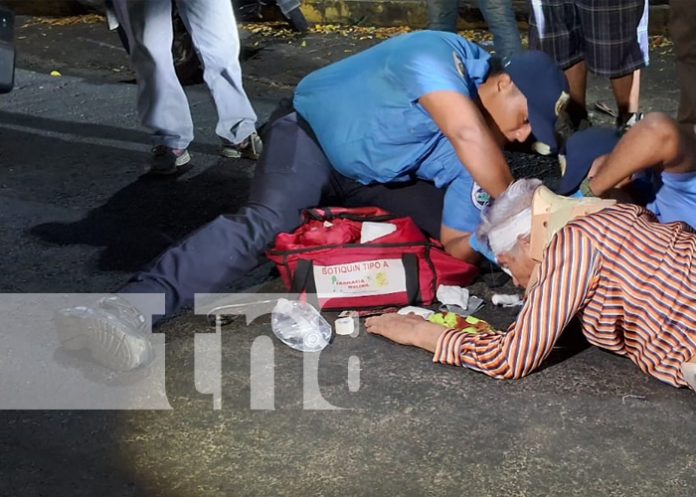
x,y
401,266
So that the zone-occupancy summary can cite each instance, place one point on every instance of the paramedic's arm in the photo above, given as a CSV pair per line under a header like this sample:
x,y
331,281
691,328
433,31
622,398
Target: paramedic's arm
x,y
655,141
461,215
457,244
463,124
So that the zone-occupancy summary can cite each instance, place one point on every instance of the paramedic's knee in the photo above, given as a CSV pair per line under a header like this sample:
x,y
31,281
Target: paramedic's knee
x,y
660,126
263,223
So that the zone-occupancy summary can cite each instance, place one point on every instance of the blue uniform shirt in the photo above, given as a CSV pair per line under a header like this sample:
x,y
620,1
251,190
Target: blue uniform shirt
x,y
365,113
671,196
675,198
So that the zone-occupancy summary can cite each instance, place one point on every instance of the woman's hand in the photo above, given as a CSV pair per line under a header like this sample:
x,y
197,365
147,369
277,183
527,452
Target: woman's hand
x,y
406,330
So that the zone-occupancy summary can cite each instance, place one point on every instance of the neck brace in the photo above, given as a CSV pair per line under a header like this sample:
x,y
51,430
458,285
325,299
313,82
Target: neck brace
x,y
551,212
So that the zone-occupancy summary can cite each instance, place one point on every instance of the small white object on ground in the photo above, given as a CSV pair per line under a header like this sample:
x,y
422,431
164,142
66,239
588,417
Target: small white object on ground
x,y
345,325
504,300
453,295
371,231
418,311
689,372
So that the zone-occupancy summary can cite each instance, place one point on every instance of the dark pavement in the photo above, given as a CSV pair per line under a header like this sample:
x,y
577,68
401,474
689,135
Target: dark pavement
x,y
76,216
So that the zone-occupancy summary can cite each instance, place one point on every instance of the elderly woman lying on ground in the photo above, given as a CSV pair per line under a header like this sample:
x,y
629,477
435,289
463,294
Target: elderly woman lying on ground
x,y
630,281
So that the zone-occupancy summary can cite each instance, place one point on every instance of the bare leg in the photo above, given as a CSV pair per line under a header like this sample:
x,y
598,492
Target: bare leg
x,y
655,141
622,93
577,80
634,97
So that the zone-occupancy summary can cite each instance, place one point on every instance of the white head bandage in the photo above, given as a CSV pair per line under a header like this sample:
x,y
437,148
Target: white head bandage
x,y
503,237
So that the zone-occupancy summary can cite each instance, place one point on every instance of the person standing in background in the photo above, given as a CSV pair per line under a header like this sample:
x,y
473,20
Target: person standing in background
x,y
498,14
291,11
683,32
162,103
634,98
605,39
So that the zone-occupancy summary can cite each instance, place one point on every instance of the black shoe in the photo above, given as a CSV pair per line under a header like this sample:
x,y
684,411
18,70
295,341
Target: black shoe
x,y
167,161
624,123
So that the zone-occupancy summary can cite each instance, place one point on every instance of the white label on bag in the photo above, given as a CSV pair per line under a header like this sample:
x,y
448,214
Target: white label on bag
x,y
360,279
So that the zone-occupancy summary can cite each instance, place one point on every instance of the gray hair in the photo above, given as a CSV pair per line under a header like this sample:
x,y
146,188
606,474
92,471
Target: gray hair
x,y
515,200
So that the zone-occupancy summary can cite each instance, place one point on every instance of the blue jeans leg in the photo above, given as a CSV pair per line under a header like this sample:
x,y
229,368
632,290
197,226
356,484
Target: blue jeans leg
x,y
500,17
286,6
443,15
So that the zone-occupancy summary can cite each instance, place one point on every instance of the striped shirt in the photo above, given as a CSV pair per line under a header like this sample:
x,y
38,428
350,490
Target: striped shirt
x,y
629,280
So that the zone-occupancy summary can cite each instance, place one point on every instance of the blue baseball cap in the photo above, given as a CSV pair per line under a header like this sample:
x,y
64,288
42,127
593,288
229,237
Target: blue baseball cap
x,y
580,151
545,86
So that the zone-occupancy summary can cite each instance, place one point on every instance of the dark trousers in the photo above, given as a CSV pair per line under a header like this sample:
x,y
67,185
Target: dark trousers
x,y
683,31
293,174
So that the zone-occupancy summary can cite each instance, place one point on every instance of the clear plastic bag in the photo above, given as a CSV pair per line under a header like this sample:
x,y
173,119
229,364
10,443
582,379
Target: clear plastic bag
x,y
300,326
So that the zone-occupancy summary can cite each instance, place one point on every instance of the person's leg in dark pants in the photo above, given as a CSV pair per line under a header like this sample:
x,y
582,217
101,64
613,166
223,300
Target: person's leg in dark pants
x,y
291,175
419,199
443,15
683,31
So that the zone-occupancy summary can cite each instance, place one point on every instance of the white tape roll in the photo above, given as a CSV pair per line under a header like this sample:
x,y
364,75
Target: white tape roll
x,y
345,326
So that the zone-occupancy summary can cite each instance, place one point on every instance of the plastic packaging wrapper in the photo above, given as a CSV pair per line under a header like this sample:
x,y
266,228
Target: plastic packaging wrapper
x,y
300,326
418,311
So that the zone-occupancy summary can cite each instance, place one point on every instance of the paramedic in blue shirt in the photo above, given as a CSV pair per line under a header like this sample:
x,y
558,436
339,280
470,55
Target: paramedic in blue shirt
x,y
429,105
653,164
393,126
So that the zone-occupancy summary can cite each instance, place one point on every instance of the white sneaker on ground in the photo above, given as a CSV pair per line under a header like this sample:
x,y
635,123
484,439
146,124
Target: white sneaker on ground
x,y
250,148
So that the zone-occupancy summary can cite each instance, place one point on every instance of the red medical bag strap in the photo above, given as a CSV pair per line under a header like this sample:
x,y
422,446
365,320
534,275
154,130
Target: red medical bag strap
x,y
326,214
410,262
303,279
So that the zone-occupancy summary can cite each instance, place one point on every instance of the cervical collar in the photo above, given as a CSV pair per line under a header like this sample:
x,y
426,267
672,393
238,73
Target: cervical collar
x,y
551,212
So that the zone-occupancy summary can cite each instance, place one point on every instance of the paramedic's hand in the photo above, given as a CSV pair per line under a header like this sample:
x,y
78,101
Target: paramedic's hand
x,y
406,330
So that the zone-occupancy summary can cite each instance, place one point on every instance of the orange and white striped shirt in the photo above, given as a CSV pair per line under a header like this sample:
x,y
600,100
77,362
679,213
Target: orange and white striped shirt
x,y
629,280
